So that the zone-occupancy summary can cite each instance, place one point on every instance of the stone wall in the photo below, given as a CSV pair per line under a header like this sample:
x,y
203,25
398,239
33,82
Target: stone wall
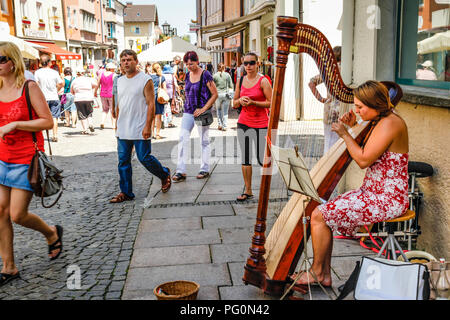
x,y
429,137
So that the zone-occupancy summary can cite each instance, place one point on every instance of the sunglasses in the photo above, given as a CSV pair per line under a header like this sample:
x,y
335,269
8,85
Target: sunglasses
x,y
4,59
252,63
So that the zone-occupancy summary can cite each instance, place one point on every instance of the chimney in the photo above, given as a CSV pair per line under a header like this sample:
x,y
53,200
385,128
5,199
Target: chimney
x,y
129,4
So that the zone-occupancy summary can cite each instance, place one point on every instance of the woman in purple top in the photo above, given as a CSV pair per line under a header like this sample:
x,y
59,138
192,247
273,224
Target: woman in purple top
x,y
192,109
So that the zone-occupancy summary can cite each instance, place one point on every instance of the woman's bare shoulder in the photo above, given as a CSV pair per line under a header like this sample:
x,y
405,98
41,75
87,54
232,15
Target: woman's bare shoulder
x,y
393,123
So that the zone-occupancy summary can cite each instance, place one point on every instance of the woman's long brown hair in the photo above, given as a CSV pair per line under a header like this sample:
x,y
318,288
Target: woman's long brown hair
x,y
376,96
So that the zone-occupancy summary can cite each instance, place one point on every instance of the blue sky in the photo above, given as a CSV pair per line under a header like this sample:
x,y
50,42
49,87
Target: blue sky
x,y
178,13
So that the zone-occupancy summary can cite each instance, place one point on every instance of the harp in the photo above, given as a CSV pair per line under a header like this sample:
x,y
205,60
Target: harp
x,y
274,258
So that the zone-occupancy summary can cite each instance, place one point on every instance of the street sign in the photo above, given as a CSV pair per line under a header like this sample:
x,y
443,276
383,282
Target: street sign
x,y
194,27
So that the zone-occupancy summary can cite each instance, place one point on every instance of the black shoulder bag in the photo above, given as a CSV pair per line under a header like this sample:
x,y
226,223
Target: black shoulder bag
x,y
206,118
44,177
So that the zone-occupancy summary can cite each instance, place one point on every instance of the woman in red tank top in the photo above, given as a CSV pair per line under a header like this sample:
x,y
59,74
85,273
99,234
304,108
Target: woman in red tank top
x,y
16,151
254,94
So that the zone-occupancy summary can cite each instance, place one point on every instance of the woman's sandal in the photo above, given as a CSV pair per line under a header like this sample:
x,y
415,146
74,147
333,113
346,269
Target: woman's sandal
x,y
178,177
6,278
244,197
55,246
121,197
202,175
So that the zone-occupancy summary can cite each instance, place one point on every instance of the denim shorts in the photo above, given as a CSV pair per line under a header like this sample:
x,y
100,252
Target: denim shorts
x,y
14,175
55,108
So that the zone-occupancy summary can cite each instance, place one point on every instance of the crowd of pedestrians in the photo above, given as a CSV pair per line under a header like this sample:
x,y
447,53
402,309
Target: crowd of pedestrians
x,y
138,99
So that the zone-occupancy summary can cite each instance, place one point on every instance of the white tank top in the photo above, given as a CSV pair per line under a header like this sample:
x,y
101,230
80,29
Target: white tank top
x,y
132,106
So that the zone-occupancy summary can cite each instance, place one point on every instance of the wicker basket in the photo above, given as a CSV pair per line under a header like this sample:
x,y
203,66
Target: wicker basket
x,y
177,290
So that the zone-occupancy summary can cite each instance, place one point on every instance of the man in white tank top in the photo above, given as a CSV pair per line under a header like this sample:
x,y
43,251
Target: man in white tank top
x,y
135,113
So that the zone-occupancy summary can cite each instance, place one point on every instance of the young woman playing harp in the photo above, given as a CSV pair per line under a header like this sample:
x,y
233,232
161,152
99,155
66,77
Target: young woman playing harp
x,y
384,192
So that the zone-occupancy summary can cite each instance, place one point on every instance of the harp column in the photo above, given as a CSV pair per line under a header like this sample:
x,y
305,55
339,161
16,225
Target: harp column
x,y
256,265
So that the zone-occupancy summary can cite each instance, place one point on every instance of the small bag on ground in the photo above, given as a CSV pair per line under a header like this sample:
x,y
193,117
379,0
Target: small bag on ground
x,y
381,279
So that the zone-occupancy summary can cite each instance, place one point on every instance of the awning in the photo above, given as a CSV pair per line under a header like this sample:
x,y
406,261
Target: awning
x,y
229,32
60,53
26,48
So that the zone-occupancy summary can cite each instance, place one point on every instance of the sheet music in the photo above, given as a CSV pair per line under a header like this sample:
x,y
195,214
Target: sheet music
x,y
294,171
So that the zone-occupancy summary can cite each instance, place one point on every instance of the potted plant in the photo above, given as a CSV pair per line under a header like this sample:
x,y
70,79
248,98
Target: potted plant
x,y
25,20
41,23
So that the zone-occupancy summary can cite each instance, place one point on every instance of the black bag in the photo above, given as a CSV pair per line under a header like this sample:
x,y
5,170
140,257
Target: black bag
x,y
206,118
44,177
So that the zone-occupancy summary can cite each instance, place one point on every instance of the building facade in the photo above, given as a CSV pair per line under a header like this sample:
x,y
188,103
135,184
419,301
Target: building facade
x,y
214,15
40,20
119,27
141,26
43,23
246,25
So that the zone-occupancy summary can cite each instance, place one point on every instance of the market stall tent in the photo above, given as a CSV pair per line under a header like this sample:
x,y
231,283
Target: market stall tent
x,y
167,50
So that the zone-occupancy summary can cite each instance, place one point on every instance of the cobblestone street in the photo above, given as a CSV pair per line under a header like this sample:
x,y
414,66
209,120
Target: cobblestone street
x,y
98,236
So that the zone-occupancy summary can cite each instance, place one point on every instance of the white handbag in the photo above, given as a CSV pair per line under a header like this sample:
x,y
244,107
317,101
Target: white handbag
x,y
162,97
382,279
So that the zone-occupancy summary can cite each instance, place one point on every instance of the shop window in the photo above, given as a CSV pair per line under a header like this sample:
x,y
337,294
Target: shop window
x,y
111,30
24,8
39,10
424,43
268,42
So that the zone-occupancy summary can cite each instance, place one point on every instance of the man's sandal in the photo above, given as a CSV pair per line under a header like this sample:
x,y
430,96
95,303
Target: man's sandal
x,y
202,175
244,197
55,246
121,197
166,183
6,278
178,177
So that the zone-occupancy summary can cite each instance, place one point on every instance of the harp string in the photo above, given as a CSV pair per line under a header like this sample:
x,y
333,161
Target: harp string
x,y
316,56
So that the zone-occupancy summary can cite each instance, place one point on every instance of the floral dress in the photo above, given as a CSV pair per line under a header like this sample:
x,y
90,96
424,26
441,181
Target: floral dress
x,y
382,196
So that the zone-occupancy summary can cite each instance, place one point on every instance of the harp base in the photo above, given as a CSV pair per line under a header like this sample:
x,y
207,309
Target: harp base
x,y
261,280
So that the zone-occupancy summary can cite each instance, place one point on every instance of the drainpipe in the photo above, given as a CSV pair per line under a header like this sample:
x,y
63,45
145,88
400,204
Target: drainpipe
x,y
101,23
